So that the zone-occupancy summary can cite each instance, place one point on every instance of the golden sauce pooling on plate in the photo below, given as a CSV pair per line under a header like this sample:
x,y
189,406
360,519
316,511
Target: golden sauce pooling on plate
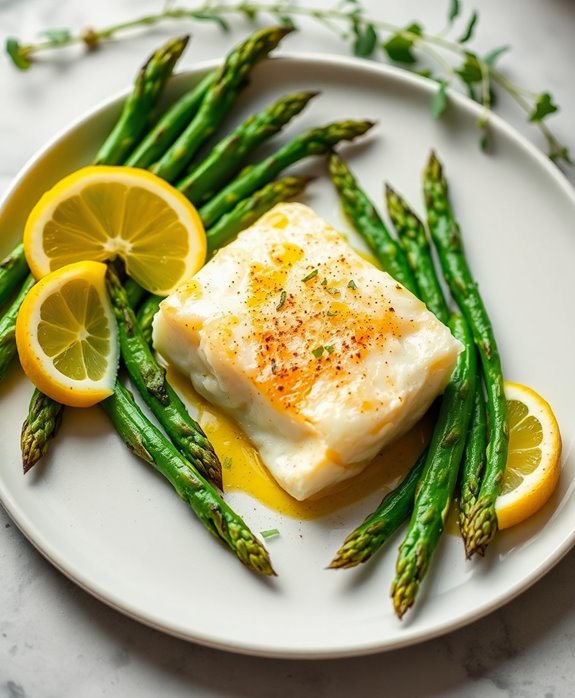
x,y
243,469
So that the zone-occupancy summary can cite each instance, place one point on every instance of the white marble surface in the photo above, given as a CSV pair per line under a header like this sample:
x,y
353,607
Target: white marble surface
x,y
58,642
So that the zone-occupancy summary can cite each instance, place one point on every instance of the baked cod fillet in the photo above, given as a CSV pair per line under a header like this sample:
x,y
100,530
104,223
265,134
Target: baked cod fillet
x,y
319,356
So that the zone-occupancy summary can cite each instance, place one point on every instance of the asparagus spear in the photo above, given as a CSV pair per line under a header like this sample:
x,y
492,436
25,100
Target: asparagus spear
x,y
413,239
218,100
170,125
316,141
473,460
437,484
368,223
229,154
147,442
249,210
364,541
150,380
8,327
146,314
13,270
482,524
41,425
147,90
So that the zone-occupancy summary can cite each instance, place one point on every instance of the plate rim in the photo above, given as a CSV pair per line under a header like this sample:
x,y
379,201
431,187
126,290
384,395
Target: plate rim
x,y
20,519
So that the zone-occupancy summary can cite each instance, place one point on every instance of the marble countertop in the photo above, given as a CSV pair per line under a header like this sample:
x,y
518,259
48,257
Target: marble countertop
x,y
56,641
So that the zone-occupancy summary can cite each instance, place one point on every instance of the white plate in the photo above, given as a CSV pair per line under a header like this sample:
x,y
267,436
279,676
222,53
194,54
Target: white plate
x,y
111,524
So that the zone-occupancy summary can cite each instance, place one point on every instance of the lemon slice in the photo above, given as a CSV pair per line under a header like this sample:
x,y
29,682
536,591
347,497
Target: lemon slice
x,y
533,461
99,213
66,335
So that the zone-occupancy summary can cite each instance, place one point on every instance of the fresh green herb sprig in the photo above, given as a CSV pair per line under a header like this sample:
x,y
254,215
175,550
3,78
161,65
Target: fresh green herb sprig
x,y
412,47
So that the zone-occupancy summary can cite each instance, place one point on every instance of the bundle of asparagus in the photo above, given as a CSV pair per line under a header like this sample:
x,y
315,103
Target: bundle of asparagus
x,y
167,146
460,434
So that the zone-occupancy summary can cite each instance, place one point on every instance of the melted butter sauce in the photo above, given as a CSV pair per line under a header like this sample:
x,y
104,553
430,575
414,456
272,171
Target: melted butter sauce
x,y
243,469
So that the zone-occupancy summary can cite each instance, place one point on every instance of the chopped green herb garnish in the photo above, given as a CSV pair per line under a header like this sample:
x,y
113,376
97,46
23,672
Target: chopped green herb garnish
x,y
283,296
270,533
311,275
317,352
332,290
324,281
274,366
352,284
331,313
329,348
227,464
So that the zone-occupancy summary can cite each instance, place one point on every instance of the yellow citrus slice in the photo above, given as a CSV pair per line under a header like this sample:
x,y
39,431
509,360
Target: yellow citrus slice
x,y
99,213
66,335
533,462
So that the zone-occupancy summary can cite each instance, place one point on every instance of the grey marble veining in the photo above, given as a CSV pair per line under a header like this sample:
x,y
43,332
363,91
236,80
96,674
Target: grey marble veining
x,y
56,641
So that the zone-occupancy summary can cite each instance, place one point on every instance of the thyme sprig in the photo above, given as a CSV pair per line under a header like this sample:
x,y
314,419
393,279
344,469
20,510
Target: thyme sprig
x,y
445,57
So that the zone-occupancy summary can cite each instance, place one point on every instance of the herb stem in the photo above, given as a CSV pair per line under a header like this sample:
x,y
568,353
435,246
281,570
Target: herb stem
x,y
348,21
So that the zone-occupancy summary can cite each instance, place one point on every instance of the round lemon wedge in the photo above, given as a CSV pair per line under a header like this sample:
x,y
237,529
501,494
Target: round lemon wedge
x,y
100,213
533,462
66,335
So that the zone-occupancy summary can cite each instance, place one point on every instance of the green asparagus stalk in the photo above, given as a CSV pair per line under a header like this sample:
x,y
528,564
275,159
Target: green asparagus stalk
x,y
13,271
364,541
40,427
482,524
247,211
228,156
369,224
147,442
473,460
146,315
218,101
437,484
150,379
316,141
170,125
8,327
413,239
147,90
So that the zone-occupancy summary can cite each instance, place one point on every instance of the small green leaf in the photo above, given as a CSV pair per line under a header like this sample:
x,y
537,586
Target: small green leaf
x,y
206,17
468,33
286,20
317,352
351,284
270,533
470,71
227,464
454,10
283,296
57,36
399,46
17,53
365,38
311,275
249,12
493,56
543,107
426,73
329,348
560,154
439,101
